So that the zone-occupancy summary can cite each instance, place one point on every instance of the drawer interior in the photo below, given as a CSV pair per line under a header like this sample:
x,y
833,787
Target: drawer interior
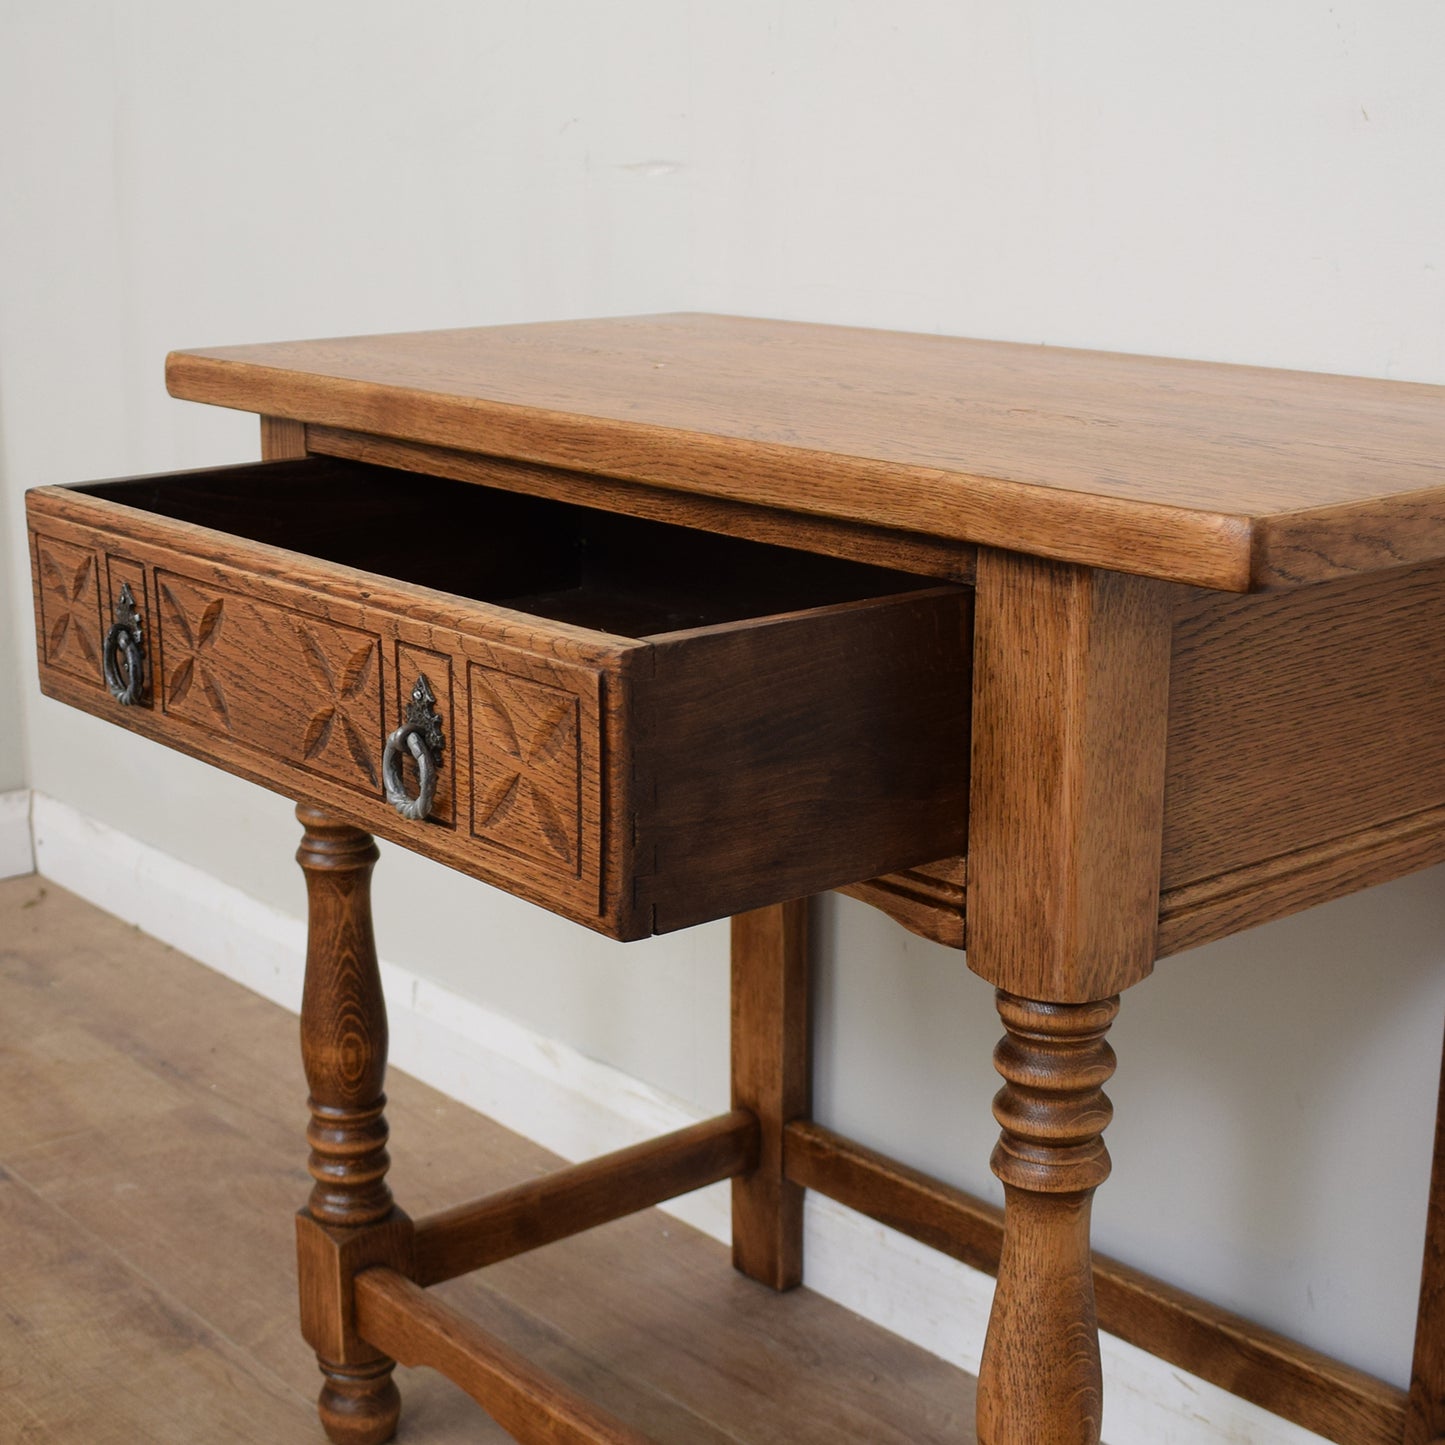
x,y
568,563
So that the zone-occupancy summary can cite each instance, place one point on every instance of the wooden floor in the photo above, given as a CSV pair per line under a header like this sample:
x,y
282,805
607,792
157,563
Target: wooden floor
x,y
151,1157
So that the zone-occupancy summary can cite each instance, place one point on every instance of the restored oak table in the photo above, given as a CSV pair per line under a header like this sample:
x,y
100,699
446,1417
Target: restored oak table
x,y
1078,659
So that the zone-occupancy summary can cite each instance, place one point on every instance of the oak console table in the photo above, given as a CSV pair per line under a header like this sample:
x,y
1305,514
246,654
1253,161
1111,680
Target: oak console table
x,y
666,619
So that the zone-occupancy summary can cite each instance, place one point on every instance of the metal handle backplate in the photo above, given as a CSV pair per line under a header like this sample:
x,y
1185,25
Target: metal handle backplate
x,y
421,735
122,657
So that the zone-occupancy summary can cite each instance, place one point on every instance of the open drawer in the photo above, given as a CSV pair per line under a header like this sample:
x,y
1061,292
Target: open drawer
x,y
637,725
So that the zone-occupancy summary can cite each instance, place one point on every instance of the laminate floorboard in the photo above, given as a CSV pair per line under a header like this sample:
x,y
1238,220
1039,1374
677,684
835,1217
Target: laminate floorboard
x,y
151,1157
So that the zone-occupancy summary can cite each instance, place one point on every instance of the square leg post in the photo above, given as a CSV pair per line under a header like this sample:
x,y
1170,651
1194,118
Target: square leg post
x,y
1071,702
771,1076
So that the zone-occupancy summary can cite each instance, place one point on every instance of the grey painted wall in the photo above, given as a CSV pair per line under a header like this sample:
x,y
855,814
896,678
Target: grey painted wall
x,y
14,617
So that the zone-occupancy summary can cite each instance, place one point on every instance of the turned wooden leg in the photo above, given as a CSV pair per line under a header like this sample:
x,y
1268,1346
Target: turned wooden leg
x,y
349,1221
1040,1382
771,1076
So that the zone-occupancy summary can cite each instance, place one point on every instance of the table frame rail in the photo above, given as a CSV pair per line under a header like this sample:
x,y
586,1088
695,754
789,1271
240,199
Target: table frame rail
x,y
399,1317
394,1313
374,1279
567,1201
1299,1384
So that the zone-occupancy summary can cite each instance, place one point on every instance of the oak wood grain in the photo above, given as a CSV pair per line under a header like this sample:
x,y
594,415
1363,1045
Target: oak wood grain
x,y
903,1198
802,752
930,900
1052,1110
1302,719
1320,544
1225,476
568,1201
1071,687
69,619
282,438
343,1025
343,1052
1195,913
772,1078
533,1407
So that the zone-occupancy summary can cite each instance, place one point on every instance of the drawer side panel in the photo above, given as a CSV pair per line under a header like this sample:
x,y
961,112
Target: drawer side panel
x,y
803,753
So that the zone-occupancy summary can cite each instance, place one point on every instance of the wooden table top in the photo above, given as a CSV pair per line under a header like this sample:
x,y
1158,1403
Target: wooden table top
x,y
1228,477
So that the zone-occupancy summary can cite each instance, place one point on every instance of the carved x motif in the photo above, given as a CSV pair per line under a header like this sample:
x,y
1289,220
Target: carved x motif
x,y
344,693
527,766
70,607
197,666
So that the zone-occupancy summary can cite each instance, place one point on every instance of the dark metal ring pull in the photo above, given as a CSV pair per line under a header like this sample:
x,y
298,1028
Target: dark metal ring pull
x,y
122,658
421,735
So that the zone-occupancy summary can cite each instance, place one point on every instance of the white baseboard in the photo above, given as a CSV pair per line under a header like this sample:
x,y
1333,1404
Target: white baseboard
x,y
577,1108
17,852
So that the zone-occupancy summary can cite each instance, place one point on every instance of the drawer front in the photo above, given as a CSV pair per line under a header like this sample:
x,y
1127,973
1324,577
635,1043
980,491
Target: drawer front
x,y
269,678
299,690
635,783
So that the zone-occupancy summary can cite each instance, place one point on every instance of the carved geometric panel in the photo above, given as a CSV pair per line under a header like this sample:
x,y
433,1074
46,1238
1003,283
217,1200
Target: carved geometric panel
x,y
70,613
195,677
526,768
343,723
299,688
